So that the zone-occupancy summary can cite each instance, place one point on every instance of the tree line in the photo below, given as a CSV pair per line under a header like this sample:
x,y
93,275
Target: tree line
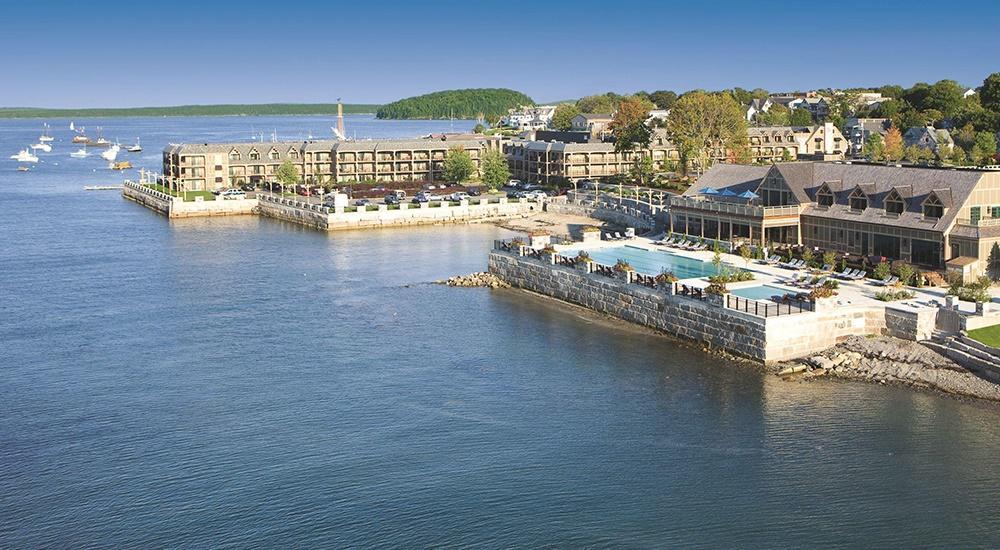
x,y
261,109
489,103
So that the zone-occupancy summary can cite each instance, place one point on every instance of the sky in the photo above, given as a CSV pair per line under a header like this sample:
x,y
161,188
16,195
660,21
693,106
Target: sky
x,y
62,53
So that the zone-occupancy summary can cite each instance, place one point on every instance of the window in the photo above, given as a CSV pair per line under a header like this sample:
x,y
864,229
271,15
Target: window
x,y
254,155
934,208
824,197
975,214
273,155
894,203
235,155
858,200
292,153
995,211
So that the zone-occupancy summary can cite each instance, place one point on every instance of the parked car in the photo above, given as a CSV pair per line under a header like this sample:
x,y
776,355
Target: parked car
x,y
516,194
391,198
248,187
233,194
535,195
420,197
362,202
514,183
475,191
459,196
531,187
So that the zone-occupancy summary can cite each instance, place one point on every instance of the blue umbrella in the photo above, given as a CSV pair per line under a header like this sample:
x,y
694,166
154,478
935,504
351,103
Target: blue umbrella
x,y
708,191
749,195
727,193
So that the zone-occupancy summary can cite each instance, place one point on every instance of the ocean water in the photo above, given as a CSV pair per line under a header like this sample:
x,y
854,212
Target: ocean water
x,y
239,382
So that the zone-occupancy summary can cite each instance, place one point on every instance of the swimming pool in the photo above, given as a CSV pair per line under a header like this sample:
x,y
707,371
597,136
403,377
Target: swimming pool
x,y
650,262
760,292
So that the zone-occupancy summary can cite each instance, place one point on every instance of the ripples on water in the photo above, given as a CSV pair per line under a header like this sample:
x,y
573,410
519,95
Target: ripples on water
x,y
242,382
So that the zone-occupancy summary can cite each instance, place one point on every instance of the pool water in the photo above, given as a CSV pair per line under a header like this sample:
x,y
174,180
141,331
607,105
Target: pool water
x,y
760,292
650,262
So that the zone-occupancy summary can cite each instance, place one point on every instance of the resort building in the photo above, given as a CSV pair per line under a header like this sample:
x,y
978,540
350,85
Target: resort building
x,y
205,167
551,162
535,117
930,217
595,123
860,129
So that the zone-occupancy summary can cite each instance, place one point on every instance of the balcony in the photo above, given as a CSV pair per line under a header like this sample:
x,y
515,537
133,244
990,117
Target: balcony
x,y
981,222
734,208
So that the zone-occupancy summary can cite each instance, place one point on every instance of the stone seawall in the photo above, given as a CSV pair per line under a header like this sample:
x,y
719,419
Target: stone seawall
x,y
332,219
766,339
714,326
177,207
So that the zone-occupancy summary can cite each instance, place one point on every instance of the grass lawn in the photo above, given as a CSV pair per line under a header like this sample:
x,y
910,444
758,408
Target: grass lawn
x,y
987,335
188,195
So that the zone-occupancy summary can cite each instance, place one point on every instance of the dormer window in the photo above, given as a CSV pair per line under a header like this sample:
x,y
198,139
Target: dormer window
x,y
292,153
235,155
933,207
894,203
858,200
254,154
824,197
273,154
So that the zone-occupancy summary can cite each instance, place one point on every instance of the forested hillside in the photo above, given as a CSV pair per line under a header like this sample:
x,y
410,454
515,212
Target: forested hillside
x,y
469,103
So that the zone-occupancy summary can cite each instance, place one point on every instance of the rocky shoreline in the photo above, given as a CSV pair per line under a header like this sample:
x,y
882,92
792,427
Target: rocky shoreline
x,y
887,360
478,279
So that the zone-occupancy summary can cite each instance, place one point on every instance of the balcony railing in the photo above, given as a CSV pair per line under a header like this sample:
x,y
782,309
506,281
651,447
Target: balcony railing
x,y
981,222
748,210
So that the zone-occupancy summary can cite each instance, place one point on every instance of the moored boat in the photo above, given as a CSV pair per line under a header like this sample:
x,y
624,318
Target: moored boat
x,y
123,165
80,154
24,155
45,137
135,148
111,154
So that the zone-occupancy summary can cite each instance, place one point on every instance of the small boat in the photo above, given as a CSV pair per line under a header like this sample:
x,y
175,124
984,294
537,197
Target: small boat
x,y
111,154
80,138
135,148
80,154
72,126
42,147
45,137
123,165
22,168
24,155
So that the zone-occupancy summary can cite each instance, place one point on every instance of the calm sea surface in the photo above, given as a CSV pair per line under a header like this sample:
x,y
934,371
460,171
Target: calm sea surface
x,y
237,382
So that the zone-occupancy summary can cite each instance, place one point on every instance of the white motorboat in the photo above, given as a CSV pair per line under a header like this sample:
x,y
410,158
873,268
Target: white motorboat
x,y
45,137
135,148
80,154
111,153
41,146
24,155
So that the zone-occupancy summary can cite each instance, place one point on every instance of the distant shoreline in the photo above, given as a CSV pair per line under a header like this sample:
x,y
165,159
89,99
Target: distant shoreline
x,y
263,109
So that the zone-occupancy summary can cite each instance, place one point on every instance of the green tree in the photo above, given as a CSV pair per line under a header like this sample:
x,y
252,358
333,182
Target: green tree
x,y
287,174
606,103
874,148
663,99
458,165
469,103
957,156
915,153
631,133
495,169
800,117
777,115
989,93
562,118
984,148
944,96
479,129
699,121
642,169
893,145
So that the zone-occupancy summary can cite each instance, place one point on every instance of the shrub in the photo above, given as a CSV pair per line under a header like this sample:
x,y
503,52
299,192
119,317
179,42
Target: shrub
x,y
808,256
538,233
622,266
881,270
733,277
718,289
549,249
832,284
516,242
829,257
666,277
583,256
905,272
590,229
821,292
893,295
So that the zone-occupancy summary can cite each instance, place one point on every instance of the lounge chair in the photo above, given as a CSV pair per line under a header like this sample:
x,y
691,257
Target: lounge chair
x,y
772,260
790,264
827,267
883,282
845,274
699,247
820,282
860,275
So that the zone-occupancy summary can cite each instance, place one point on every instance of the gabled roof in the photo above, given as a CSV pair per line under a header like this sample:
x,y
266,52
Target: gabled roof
x,y
735,177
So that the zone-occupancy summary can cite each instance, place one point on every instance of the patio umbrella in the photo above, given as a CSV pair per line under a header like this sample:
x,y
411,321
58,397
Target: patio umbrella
x,y
727,193
749,195
708,191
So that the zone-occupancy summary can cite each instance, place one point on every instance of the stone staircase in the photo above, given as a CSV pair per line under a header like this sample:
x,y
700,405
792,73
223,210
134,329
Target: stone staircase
x,y
979,358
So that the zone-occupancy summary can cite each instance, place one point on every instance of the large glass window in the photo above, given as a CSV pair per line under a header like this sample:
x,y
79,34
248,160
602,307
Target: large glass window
x,y
925,252
894,203
824,197
858,200
975,213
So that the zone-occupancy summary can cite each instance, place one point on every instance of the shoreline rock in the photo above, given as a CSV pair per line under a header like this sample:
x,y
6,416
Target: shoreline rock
x,y
478,279
887,360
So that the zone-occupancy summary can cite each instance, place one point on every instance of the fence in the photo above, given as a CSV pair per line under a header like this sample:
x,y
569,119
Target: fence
x,y
766,309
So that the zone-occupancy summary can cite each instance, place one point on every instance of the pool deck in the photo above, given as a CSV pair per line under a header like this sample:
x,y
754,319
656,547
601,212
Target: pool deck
x,y
850,293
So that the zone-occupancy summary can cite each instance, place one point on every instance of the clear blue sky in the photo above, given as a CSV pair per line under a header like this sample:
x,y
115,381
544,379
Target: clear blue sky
x,y
57,53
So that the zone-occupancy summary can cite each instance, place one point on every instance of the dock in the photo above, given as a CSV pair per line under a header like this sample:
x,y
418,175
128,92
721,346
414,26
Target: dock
x,y
103,187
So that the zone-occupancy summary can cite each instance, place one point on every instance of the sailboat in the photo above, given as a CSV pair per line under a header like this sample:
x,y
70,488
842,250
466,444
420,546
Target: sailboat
x,y
80,153
101,141
45,137
71,126
111,154
42,147
135,148
24,155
